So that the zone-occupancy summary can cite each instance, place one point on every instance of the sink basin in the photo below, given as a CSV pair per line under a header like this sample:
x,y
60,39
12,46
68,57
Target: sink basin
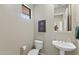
x,y
64,46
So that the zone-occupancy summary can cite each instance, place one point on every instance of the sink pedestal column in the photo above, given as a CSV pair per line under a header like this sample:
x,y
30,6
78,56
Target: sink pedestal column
x,y
62,52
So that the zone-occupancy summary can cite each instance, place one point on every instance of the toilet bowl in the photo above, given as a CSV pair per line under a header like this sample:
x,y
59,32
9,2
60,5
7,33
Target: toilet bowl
x,y
34,52
38,47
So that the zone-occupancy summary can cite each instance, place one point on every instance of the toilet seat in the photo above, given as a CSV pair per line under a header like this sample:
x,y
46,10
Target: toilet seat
x,y
33,52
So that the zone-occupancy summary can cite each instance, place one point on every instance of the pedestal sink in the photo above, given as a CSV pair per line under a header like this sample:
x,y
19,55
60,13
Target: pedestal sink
x,y
63,46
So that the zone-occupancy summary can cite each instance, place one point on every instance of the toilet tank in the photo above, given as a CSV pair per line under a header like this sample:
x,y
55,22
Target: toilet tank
x,y
38,44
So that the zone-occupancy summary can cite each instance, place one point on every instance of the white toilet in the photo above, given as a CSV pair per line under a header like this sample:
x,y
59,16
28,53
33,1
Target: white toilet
x,y
38,47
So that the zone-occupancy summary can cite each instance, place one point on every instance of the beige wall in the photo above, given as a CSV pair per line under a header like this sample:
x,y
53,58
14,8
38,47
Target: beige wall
x,y
76,7
47,12
14,32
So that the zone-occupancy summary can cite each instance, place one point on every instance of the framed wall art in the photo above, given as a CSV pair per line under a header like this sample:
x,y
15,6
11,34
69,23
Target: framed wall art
x,y
42,26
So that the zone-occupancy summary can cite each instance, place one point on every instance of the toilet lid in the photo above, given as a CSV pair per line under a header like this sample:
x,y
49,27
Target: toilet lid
x,y
33,52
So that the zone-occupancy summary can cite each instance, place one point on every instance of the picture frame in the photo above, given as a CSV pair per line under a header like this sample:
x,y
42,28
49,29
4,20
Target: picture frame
x,y
42,26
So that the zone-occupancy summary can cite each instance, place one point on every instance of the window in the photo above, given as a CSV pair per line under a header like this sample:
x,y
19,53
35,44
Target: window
x,y
26,12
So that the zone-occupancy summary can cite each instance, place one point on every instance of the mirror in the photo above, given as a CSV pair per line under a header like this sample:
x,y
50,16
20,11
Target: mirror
x,y
62,17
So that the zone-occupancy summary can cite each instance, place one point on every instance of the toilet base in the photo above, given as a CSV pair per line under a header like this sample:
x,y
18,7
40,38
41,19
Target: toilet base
x,y
33,52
